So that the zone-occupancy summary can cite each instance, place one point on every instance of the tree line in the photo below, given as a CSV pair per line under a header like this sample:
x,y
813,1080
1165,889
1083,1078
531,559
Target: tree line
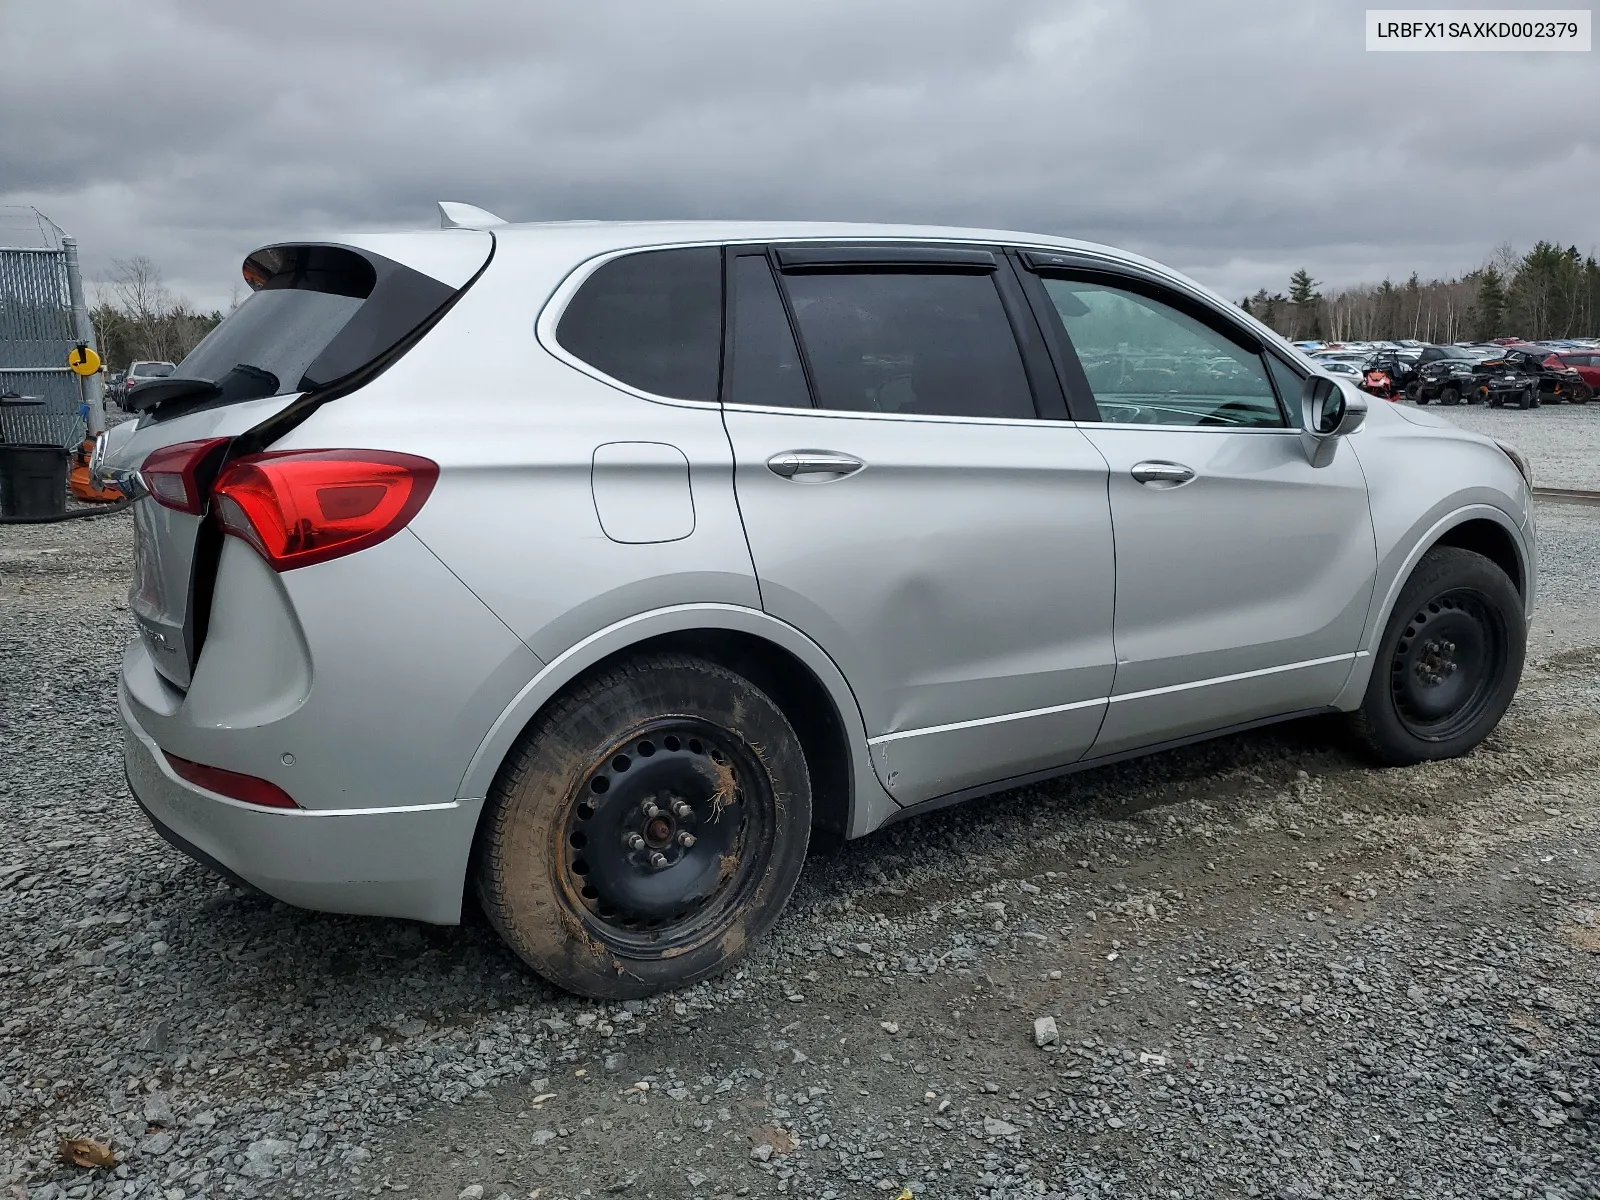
x,y
136,317
1546,293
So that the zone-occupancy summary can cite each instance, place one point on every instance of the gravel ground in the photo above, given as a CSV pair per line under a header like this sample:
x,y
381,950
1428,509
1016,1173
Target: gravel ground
x,y
1562,441
1257,968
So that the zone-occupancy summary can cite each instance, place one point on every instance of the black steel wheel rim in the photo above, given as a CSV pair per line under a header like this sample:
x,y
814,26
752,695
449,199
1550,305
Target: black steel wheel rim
x,y
1444,669
666,837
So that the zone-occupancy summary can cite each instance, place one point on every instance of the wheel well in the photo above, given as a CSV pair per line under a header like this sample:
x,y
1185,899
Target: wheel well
x,y
1490,540
795,689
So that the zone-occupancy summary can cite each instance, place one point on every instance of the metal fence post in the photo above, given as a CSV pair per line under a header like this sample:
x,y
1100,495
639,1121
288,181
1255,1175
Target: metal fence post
x,y
94,386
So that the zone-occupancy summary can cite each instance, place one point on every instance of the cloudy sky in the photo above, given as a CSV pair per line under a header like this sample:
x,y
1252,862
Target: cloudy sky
x,y
1234,139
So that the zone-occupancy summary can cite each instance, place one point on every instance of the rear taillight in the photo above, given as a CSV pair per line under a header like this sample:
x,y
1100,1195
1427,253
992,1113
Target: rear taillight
x,y
235,786
178,475
299,507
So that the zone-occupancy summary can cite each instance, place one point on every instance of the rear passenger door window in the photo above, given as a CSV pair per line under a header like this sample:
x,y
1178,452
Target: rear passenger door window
x,y
923,342
763,359
653,321
1149,363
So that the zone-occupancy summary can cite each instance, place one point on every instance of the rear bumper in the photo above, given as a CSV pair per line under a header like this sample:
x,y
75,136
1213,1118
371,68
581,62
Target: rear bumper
x,y
395,862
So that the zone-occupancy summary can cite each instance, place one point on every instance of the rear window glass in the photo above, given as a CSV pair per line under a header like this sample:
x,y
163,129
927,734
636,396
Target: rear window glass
x,y
153,369
652,320
316,316
268,342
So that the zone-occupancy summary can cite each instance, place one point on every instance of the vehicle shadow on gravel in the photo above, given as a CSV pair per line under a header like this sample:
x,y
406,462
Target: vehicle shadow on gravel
x,y
269,951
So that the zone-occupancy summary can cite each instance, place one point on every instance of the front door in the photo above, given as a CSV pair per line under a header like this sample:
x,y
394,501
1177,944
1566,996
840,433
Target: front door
x,y
950,550
1244,573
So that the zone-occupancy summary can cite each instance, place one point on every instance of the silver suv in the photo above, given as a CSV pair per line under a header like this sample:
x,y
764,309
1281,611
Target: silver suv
x,y
589,567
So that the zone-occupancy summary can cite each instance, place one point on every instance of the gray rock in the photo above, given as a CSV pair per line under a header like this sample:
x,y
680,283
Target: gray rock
x,y
157,1143
264,1157
157,1038
1045,1032
158,1109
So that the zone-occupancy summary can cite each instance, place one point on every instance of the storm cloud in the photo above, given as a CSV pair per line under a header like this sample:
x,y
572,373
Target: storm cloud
x,y
1234,140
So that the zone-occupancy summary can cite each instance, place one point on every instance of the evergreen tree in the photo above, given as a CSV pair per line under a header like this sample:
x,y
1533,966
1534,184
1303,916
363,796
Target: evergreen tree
x,y
1307,302
1491,304
1303,289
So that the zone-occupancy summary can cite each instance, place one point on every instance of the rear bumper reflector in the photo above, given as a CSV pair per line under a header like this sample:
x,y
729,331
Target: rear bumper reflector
x,y
246,788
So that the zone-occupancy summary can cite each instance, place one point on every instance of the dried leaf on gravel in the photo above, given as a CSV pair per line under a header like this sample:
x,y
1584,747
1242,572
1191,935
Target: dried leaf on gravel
x,y
781,1140
86,1152
1585,937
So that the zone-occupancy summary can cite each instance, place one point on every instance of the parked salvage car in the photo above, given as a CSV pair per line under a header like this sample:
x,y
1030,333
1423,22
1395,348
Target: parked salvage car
x,y
1557,381
139,372
1458,377
1586,363
773,527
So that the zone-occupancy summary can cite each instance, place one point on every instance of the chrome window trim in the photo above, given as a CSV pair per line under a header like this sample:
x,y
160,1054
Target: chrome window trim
x,y
556,304
544,328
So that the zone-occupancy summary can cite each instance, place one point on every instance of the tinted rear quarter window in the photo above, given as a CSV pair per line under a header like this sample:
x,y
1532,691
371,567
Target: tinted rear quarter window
x,y
934,343
652,320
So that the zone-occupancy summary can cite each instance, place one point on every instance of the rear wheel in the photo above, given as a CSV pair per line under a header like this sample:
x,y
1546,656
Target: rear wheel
x,y
1449,661
1579,393
1450,394
646,830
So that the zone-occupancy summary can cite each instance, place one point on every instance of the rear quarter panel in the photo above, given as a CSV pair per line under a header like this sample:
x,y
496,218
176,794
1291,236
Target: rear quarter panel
x,y
515,433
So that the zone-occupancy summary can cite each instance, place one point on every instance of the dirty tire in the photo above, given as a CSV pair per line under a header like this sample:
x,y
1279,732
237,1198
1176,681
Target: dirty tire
x,y
1450,394
718,761
1448,664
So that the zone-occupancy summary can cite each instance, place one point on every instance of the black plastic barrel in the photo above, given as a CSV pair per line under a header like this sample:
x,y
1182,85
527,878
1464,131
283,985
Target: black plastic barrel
x,y
33,480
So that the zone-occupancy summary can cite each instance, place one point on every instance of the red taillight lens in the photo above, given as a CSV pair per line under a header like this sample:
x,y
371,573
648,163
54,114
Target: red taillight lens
x,y
299,507
177,475
231,784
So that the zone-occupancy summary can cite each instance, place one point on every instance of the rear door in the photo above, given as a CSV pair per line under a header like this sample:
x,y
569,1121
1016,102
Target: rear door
x,y
318,316
948,548
1244,573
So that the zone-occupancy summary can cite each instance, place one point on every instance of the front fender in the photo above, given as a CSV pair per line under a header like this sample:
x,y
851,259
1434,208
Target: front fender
x,y
870,805
1396,566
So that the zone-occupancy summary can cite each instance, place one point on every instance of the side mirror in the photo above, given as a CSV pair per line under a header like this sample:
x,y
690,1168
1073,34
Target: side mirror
x,y
1330,412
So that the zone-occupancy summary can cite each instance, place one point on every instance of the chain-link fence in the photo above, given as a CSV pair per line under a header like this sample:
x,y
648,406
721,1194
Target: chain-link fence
x,y
36,332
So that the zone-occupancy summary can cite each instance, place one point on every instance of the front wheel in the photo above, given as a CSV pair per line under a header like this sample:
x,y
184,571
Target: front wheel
x,y
1448,664
648,828
1450,394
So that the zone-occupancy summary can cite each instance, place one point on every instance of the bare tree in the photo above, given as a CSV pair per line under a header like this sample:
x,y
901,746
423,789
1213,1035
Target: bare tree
x,y
138,290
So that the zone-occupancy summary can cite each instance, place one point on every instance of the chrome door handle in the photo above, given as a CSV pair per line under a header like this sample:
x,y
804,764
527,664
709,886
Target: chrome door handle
x,y
1162,474
793,463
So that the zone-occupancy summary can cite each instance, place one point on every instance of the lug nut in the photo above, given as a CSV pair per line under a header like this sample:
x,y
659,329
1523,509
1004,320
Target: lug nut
x,y
681,810
658,860
633,841
685,839
650,808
